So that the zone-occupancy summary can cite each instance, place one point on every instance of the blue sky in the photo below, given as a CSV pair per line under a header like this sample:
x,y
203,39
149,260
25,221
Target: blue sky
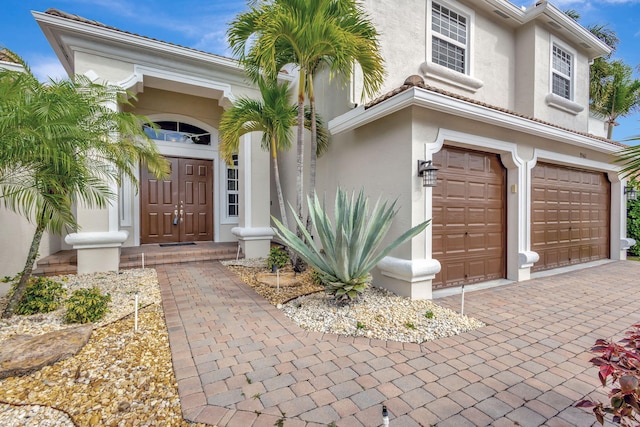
x,y
202,24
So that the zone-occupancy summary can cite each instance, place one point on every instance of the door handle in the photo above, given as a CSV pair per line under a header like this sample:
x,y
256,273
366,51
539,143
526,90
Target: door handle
x,y
175,217
181,215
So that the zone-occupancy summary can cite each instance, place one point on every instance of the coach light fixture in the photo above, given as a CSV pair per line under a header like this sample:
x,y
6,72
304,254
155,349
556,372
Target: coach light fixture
x,y
631,193
428,173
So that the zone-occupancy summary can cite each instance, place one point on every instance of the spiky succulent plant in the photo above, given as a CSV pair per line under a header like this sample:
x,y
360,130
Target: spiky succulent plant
x,y
349,247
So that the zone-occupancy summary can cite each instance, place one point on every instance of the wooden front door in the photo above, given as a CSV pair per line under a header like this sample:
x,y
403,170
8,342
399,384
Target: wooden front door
x,y
179,208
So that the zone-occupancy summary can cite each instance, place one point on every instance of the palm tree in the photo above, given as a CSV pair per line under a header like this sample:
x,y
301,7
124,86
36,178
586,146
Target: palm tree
x,y
62,145
274,115
619,94
309,34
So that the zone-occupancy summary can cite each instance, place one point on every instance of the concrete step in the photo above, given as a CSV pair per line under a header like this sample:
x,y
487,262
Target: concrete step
x,y
65,262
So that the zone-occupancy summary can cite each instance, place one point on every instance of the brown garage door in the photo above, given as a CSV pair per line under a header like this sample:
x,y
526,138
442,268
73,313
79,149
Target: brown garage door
x,y
570,216
469,225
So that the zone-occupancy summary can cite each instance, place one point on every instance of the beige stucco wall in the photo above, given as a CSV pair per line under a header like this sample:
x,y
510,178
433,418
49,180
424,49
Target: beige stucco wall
x,y
108,68
525,70
378,159
403,39
17,233
156,101
511,62
543,40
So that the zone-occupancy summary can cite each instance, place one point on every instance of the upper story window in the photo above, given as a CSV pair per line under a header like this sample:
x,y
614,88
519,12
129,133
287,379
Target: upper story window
x,y
449,39
174,131
562,85
449,56
562,72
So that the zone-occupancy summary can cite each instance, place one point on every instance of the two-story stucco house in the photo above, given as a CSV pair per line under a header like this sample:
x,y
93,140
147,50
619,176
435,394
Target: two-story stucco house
x,y
498,101
495,96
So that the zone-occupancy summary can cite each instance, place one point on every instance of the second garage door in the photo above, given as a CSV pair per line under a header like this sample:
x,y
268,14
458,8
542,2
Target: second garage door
x,y
468,217
570,216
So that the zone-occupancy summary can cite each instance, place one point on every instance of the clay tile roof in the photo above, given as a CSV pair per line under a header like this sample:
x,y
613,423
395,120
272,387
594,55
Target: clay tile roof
x,y
417,81
77,18
7,56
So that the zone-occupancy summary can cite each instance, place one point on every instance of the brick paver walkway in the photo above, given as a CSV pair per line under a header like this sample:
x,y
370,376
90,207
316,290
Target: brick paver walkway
x,y
239,362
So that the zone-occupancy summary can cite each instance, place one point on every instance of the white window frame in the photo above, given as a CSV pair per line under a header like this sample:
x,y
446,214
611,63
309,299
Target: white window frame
x,y
228,218
558,101
447,39
430,69
552,70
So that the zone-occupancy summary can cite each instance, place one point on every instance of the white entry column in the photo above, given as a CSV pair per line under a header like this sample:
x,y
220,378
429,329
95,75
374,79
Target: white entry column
x,y
254,231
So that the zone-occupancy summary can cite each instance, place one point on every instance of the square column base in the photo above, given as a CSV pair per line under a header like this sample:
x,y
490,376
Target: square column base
x,y
255,242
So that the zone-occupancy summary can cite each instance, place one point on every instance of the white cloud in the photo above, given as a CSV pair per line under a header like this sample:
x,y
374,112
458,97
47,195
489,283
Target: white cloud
x,y
46,67
214,41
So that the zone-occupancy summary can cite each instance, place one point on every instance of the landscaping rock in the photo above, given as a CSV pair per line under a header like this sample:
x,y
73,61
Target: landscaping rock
x,y
287,278
22,354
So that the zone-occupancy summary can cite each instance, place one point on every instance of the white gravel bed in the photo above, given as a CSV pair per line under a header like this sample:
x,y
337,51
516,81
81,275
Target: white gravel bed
x,y
121,286
378,314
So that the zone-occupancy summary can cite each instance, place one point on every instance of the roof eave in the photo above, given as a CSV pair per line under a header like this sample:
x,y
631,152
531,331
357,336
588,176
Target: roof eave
x,y
54,26
11,66
548,12
427,99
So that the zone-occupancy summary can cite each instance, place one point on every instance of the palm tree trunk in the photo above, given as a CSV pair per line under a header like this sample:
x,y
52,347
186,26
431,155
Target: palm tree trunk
x,y
300,153
276,172
297,262
314,144
26,272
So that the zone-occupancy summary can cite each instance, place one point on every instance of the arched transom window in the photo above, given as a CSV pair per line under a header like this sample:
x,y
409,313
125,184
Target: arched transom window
x,y
174,131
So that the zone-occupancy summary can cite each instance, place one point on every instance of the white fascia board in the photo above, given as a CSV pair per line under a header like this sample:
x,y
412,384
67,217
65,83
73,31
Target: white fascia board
x,y
509,9
47,23
51,25
456,107
552,12
11,66
573,27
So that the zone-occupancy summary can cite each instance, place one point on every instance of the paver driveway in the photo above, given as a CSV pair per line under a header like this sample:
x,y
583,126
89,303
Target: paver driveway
x,y
239,362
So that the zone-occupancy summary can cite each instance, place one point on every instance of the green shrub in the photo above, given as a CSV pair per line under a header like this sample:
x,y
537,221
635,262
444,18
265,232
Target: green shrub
x,y
41,295
349,245
86,305
428,314
277,257
633,225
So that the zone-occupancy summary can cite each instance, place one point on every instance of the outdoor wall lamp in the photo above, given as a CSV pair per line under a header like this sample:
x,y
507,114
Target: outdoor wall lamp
x,y
428,173
631,192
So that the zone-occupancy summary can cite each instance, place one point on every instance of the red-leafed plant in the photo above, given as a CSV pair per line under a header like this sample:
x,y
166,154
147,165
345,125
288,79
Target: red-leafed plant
x,y
621,362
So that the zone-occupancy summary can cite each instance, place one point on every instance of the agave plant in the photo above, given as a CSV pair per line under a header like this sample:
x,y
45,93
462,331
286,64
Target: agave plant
x,y
350,247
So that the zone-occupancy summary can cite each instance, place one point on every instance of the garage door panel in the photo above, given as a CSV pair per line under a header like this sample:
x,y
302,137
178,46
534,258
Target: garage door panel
x,y
454,243
494,241
571,225
454,217
455,190
470,241
476,216
477,191
493,218
454,271
495,192
476,242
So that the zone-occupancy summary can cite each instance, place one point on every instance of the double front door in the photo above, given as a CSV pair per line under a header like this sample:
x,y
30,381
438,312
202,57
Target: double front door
x,y
179,208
